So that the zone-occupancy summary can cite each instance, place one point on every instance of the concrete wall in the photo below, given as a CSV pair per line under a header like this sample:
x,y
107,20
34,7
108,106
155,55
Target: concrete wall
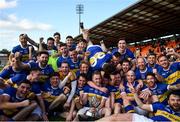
x,y
3,59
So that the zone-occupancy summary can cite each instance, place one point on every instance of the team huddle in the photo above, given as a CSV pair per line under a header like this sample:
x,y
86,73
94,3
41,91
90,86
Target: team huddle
x,y
81,81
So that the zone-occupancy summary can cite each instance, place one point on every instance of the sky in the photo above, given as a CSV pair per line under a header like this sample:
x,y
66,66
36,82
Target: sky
x,y
42,18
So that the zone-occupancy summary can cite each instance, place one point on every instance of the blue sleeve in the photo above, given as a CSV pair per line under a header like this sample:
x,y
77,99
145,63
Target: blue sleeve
x,y
78,73
33,65
114,51
163,87
112,89
59,62
71,64
160,69
157,106
130,54
1,91
157,66
149,70
51,69
108,57
106,94
36,88
125,86
5,73
109,88
45,86
14,50
144,87
177,65
18,78
10,91
138,75
85,89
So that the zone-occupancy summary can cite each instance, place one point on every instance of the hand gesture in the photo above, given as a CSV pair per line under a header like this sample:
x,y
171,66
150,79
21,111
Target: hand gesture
x,y
92,110
30,48
69,74
66,90
44,117
85,33
41,39
17,55
103,89
121,87
145,94
25,103
154,71
170,51
132,89
102,42
119,67
140,85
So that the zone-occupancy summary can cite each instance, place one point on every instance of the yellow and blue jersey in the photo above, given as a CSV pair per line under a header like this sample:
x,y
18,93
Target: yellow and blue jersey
x,y
62,59
78,91
49,93
161,90
45,72
11,92
116,91
10,72
172,75
127,89
97,57
71,79
164,113
142,75
74,65
23,51
94,93
128,92
156,66
18,78
35,86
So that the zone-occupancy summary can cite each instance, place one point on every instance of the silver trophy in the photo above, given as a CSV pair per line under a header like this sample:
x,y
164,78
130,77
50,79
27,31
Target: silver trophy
x,y
93,102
